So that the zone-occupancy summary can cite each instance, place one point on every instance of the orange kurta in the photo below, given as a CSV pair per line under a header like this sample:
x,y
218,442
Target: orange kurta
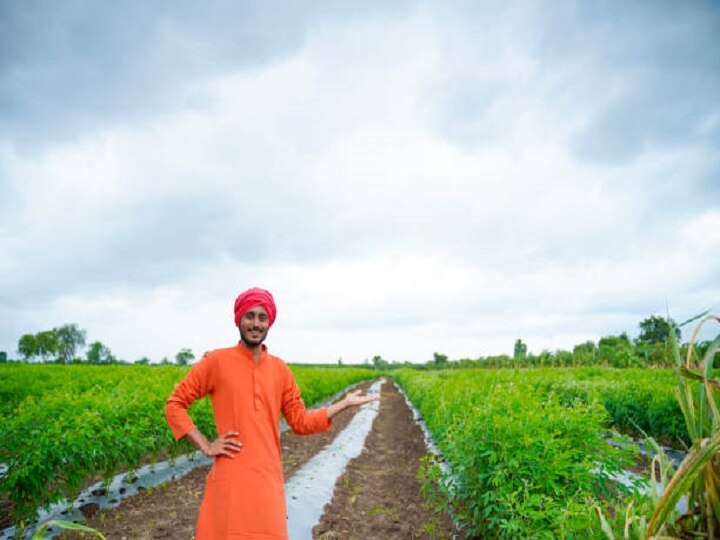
x,y
244,496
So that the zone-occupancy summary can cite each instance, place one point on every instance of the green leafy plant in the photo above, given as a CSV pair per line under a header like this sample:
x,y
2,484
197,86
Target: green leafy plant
x,y
524,461
66,426
698,476
69,525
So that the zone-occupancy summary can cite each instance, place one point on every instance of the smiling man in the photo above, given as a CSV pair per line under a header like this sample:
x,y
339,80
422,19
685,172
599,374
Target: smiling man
x,y
249,388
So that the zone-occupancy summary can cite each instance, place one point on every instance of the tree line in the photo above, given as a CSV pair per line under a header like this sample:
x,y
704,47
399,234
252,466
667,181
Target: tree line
x,y
651,348
63,344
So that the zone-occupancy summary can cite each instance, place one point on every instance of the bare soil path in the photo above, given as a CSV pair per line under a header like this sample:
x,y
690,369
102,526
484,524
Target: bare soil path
x,y
379,497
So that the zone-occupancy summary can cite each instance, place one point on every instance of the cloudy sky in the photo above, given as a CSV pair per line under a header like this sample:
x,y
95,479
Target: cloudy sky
x,y
405,177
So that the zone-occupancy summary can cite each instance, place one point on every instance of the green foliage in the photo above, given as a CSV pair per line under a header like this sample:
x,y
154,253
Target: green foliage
x,y
69,525
98,353
657,330
69,339
524,461
47,344
617,351
64,426
184,357
439,359
697,478
59,344
638,401
27,346
379,363
519,352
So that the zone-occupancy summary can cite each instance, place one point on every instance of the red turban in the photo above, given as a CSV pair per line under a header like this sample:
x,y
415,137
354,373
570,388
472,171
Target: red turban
x,y
255,297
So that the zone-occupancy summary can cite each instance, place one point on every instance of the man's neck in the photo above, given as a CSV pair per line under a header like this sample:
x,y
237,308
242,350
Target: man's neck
x,y
255,349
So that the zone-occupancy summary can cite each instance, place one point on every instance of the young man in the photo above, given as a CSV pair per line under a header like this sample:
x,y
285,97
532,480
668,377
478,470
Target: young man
x,y
249,388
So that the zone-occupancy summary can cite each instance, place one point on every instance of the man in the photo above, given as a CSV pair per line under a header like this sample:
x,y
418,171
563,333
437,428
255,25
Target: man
x,y
248,387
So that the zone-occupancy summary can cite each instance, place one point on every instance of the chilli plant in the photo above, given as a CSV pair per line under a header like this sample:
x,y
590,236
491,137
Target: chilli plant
x,y
697,478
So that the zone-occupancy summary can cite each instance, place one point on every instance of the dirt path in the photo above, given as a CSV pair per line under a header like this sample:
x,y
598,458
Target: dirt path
x,y
378,497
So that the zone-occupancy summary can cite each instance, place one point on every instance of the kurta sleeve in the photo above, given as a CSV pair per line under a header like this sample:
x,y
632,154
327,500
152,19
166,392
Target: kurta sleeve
x,y
197,383
302,421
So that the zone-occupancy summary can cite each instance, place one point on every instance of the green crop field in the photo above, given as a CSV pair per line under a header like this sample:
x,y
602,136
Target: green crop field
x,y
526,447
65,426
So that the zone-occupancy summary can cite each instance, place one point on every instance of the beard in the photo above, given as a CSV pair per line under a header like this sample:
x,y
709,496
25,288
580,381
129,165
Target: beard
x,y
253,336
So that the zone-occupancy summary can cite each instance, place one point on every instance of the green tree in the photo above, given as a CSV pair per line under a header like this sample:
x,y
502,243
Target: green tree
x,y
519,352
3,357
98,353
657,330
27,346
379,363
652,345
563,358
70,338
184,357
440,359
144,361
47,344
585,354
617,351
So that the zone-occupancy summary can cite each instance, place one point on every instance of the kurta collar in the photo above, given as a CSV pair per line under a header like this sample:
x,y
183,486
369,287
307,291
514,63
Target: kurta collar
x,y
246,352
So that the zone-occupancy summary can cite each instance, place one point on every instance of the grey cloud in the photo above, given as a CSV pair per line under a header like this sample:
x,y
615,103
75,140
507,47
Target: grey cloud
x,y
66,67
661,61
645,74
160,240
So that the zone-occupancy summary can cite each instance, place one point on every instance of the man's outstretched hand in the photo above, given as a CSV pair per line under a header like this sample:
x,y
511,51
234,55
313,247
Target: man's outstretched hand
x,y
353,399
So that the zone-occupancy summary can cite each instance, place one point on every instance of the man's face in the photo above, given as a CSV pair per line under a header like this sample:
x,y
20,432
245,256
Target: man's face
x,y
254,326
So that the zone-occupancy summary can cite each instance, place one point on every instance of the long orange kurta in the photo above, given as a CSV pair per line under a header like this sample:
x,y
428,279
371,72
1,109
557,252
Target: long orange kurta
x,y
244,495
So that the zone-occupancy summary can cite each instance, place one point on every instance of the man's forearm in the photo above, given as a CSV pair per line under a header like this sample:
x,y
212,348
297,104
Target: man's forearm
x,y
336,407
198,440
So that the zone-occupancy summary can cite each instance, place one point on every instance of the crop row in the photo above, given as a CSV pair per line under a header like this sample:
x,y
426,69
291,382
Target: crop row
x,y
64,426
639,401
526,462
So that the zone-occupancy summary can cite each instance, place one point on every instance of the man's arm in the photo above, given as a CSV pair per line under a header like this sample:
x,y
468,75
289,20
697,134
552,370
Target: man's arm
x,y
353,399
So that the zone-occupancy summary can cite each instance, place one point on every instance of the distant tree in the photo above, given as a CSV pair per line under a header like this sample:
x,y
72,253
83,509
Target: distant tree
x,y
617,351
98,353
27,346
339,361
519,352
652,345
546,358
585,354
439,359
563,358
379,363
47,344
164,360
3,357
184,357
144,361
657,330
69,339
